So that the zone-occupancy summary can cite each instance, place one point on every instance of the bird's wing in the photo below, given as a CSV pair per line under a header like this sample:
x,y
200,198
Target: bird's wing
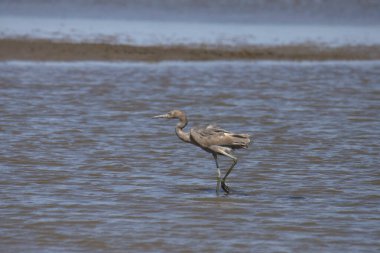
x,y
216,128
213,135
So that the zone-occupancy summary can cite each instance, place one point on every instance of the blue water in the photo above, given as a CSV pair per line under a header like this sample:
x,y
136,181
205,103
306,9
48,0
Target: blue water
x,y
86,169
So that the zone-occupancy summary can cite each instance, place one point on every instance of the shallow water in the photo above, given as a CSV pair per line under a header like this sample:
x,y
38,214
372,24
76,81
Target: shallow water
x,y
158,33
84,168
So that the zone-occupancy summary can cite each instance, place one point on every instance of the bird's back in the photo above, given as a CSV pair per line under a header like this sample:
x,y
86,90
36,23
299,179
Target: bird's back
x,y
213,135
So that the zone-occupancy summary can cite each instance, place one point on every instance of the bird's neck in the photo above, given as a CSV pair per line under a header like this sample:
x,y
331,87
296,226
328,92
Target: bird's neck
x,y
179,129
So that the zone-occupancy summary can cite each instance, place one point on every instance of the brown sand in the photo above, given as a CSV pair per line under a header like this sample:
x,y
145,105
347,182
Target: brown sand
x,y
46,50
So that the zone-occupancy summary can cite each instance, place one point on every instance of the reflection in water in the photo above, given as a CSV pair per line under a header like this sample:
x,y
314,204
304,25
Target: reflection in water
x,y
85,168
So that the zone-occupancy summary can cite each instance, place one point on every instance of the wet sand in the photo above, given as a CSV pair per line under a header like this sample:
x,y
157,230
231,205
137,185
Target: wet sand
x,y
48,50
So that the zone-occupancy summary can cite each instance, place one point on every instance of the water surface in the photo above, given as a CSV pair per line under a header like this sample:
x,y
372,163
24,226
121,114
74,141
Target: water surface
x,y
85,168
159,33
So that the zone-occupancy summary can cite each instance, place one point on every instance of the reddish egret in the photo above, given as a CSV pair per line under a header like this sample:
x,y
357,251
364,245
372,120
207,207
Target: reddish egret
x,y
211,139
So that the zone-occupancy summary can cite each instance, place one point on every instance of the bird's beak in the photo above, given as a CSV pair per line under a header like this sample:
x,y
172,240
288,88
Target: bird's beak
x,y
165,116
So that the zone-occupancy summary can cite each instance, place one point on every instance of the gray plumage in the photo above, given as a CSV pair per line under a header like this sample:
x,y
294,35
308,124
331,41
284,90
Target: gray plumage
x,y
212,139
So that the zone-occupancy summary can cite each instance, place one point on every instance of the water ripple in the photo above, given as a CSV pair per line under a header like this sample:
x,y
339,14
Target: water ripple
x,y
85,168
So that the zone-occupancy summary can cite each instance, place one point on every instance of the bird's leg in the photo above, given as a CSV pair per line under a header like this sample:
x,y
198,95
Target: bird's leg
x,y
223,151
223,182
219,174
218,182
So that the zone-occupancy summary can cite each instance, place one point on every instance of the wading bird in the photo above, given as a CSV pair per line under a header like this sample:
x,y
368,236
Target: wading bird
x,y
212,139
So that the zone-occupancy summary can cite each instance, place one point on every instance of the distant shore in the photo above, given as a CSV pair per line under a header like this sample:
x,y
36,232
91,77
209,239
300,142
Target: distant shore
x,y
48,50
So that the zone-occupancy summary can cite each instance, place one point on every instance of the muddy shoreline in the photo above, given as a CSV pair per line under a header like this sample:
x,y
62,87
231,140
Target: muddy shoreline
x,y
48,50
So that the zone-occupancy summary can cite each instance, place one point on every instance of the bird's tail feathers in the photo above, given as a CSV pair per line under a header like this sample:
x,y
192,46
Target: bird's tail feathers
x,y
241,140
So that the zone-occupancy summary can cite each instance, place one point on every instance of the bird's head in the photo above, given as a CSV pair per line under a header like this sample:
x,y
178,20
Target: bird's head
x,y
175,114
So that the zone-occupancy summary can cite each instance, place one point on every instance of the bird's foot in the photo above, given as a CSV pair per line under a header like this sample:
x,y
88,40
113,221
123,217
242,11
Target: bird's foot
x,y
225,187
